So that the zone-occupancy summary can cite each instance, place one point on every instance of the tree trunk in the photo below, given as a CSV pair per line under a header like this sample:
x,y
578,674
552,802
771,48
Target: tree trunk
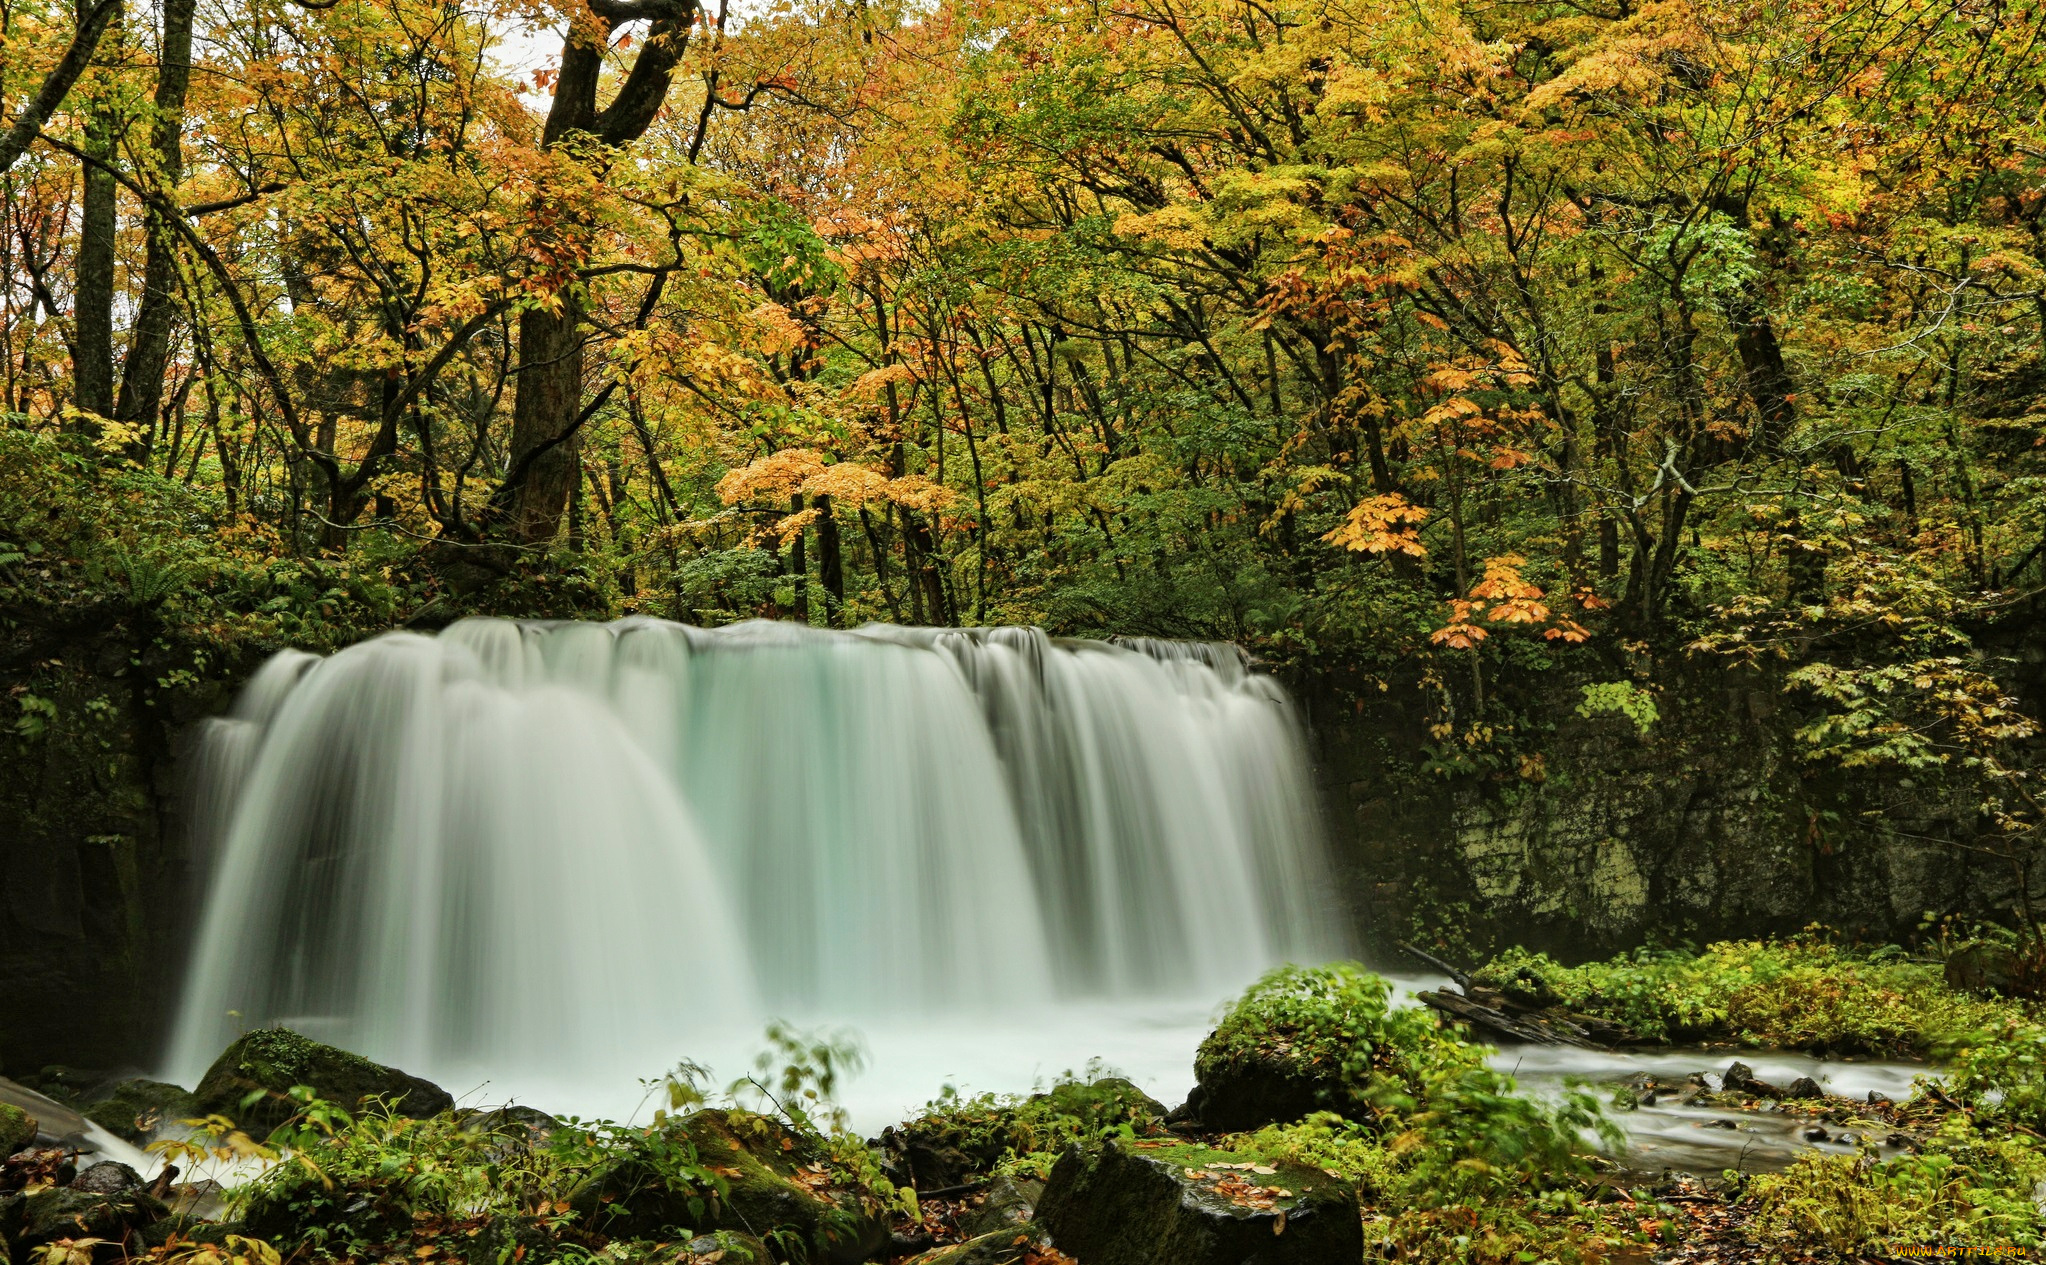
x,y
93,375
547,407
149,347
544,449
830,563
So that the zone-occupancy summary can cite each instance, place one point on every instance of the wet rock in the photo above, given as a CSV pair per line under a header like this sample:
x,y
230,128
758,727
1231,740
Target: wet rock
x,y
1877,1100
108,1177
17,1129
275,1060
28,1222
1124,1204
1010,1202
772,1185
132,1110
1739,1078
1817,1134
1804,1087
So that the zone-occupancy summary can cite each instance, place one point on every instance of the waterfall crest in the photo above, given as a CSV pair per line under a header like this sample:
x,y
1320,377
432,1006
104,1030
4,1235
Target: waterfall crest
x,y
573,849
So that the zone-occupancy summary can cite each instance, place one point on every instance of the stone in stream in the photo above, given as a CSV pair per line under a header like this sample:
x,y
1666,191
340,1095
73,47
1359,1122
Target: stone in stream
x,y
1124,1203
1739,1078
108,1177
270,1062
1805,1087
133,1110
17,1129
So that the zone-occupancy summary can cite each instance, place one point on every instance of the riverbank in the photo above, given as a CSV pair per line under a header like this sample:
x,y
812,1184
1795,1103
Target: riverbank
x,y
1321,1103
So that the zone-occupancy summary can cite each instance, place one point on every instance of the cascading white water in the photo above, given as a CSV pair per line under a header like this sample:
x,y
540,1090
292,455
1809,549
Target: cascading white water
x,y
578,851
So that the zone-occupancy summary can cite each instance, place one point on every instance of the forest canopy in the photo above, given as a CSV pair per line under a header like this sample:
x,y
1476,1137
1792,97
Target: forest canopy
x,y
1438,329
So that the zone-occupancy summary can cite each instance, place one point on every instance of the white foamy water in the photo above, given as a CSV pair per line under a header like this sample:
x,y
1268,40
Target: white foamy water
x,y
545,860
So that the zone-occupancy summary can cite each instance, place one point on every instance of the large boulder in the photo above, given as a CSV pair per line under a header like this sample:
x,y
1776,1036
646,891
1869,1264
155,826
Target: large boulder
x,y
17,1129
1127,1203
774,1186
1303,1040
133,1110
270,1062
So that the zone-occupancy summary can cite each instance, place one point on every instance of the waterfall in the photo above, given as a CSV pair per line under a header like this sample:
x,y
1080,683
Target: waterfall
x,y
580,850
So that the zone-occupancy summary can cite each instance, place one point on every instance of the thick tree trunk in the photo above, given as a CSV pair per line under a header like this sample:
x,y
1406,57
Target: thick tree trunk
x,y
544,450
149,347
547,406
93,309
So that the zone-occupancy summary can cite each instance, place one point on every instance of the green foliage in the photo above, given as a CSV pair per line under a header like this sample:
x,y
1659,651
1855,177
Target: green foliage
x,y
2001,1072
1805,994
1337,1024
798,1074
1404,1074
1622,698
1024,1134
1964,1188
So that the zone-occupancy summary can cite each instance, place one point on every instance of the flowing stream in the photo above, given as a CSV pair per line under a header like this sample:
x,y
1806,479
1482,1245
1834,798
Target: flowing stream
x,y
546,860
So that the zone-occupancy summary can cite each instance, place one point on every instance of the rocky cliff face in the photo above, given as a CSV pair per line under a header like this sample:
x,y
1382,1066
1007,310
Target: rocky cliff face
x,y
1586,836
94,877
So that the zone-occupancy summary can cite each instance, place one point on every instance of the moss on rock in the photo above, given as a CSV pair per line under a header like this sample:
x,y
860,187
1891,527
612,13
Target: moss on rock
x,y
134,1109
272,1061
17,1128
772,1182
1303,1040
1139,1203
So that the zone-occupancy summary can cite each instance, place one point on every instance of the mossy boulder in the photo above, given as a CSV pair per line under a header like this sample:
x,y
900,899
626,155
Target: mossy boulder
x,y
28,1222
1303,1040
132,1110
964,1140
17,1128
1163,1203
774,1182
273,1061
1008,1204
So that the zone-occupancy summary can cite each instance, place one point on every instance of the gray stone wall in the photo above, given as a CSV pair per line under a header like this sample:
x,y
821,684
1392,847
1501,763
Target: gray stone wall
x,y
1711,825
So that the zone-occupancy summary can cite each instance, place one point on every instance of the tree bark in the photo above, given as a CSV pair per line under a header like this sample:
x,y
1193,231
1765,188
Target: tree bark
x,y
149,347
93,292
547,406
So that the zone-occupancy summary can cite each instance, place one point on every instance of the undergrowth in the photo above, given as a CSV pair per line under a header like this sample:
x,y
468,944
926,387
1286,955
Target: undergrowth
x,y
1803,994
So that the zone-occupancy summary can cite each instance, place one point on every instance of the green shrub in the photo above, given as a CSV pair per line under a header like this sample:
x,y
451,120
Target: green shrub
x,y
1802,994
1400,1073
1965,1188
